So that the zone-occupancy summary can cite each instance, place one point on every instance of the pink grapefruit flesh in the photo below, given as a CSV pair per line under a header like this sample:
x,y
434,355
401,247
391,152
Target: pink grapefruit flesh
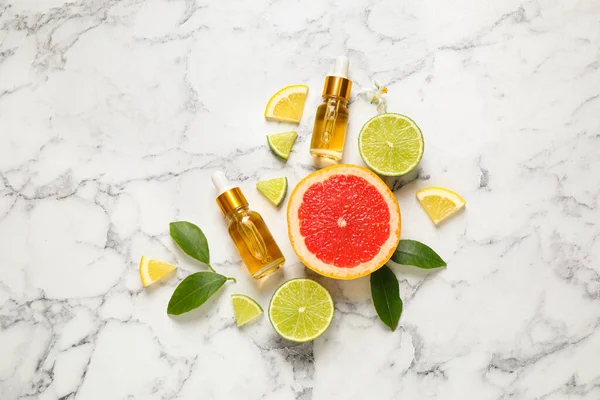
x,y
343,221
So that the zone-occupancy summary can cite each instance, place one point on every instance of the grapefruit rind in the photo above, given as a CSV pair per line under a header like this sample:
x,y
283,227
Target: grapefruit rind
x,y
297,240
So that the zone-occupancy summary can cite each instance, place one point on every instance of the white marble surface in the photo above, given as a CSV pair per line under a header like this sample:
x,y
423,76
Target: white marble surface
x,y
114,114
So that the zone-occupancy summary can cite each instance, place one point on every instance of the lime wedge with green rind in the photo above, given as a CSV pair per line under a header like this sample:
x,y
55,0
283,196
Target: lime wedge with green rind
x,y
301,310
245,309
281,143
273,189
391,144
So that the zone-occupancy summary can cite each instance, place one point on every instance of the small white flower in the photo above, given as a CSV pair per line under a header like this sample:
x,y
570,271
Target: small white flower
x,y
375,95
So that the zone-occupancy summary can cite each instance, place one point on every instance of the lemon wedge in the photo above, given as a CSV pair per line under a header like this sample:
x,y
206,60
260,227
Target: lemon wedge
x,y
287,104
440,203
152,271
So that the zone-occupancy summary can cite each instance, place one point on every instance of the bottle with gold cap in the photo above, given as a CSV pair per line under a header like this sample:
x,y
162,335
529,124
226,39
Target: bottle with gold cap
x,y
248,230
331,120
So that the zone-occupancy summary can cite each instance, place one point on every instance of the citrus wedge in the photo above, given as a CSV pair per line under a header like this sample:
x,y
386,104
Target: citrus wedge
x,y
281,143
273,189
301,310
287,104
440,203
152,271
245,309
391,144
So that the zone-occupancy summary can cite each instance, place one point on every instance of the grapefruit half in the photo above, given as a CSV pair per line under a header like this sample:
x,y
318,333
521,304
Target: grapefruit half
x,y
343,221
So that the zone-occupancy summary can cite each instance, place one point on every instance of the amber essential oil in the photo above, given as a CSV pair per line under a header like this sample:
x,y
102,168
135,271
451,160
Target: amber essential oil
x,y
254,242
331,119
329,133
248,230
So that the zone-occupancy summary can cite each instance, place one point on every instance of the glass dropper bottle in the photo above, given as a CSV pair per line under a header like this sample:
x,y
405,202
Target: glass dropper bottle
x,y
248,230
331,119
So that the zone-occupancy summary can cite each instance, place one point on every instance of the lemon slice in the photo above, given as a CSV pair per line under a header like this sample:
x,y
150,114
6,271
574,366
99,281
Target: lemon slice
x,y
245,309
152,271
440,203
273,189
287,104
281,143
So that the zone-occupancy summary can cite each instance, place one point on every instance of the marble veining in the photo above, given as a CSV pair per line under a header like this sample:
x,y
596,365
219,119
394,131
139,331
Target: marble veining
x,y
114,114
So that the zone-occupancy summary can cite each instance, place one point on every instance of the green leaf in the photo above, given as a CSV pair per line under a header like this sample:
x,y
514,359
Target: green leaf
x,y
191,239
411,252
385,292
193,291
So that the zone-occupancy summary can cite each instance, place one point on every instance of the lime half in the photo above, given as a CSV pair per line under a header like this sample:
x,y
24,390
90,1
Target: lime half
x,y
301,310
391,144
281,143
273,189
244,309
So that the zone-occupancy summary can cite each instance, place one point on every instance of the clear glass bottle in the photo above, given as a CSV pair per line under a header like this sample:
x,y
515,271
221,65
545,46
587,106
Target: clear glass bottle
x,y
248,230
331,119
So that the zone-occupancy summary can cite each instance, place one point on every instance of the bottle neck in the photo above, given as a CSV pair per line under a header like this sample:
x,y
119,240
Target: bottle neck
x,y
342,100
237,212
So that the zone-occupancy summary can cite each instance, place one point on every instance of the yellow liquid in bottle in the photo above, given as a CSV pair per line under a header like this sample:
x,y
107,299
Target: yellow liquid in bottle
x,y
329,132
254,242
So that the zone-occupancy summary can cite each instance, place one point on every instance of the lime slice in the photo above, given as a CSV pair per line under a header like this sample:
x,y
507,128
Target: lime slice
x,y
391,144
301,310
273,189
281,143
244,309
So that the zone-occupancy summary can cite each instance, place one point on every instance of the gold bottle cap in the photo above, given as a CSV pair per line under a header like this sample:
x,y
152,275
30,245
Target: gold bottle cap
x,y
231,199
337,83
337,86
